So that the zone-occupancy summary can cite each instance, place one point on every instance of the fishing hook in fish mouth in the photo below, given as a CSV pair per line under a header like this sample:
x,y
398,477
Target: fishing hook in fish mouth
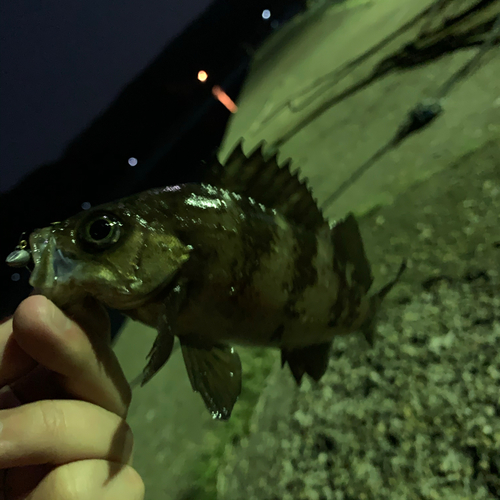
x,y
21,256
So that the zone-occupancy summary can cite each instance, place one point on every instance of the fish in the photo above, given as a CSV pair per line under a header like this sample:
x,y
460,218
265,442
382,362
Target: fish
x,y
244,258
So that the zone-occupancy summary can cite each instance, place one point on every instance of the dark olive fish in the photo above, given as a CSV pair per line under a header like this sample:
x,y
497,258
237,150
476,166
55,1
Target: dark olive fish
x,y
246,258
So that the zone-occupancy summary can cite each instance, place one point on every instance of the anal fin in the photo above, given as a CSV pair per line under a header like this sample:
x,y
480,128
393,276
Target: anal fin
x,y
214,372
312,360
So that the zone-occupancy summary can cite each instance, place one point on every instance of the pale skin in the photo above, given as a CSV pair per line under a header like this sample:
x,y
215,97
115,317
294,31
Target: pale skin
x,y
63,407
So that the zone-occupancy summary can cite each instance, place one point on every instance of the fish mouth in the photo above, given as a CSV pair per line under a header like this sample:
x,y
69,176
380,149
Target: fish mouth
x,y
53,269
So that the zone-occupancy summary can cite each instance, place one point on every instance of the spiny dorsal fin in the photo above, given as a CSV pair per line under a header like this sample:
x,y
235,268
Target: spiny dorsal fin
x,y
267,183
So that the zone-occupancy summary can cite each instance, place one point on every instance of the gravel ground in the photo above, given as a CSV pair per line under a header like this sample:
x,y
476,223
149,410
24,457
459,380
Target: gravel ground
x,y
418,415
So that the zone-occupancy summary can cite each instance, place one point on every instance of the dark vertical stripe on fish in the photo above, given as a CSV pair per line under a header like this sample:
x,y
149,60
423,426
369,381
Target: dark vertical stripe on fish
x,y
257,242
339,304
305,272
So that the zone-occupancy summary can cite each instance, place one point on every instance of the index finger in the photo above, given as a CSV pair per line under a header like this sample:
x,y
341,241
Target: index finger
x,y
14,362
76,348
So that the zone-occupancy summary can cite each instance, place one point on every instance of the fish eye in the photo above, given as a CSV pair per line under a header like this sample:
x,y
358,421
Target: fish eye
x,y
101,231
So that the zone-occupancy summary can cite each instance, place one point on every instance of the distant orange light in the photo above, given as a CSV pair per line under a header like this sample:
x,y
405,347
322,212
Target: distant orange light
x,y
202,76
224,99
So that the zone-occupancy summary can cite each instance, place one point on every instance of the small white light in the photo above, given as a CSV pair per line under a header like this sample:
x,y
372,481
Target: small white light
x,y
15,276
86,205
132,161
266,14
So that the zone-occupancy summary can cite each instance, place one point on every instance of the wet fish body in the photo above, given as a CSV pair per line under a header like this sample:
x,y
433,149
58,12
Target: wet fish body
x,y
245,258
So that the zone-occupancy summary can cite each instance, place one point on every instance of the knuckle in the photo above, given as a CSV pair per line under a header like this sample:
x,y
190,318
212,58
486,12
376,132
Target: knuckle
x,y
53,418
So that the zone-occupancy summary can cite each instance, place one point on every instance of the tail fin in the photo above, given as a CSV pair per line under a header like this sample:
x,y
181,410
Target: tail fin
x,y
387,288
349,248
368,329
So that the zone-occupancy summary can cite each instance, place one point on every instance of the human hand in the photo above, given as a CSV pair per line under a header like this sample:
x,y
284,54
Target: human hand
x,y
63,404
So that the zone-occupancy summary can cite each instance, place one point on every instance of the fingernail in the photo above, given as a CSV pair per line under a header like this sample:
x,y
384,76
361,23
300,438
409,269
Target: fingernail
x,y
57,320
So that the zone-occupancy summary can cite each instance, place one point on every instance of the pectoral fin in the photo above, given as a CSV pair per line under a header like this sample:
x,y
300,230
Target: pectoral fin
x,y
312,360
167,329
161,350
214,372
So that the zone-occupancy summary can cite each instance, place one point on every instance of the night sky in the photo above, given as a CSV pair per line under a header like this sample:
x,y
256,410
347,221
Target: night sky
x,y
62,63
